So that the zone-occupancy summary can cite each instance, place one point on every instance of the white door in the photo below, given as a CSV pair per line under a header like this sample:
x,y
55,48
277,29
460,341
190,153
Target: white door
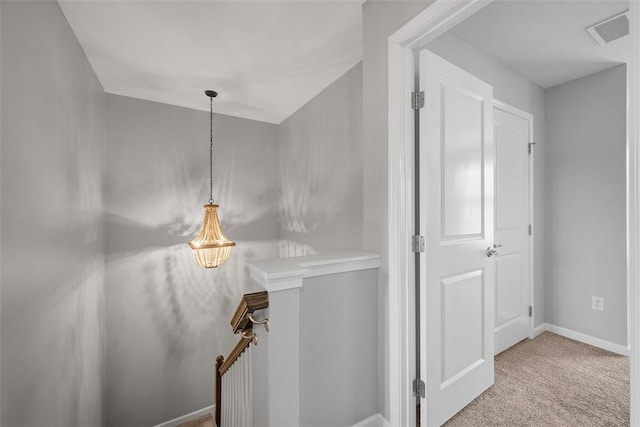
x,y
456,217
511,136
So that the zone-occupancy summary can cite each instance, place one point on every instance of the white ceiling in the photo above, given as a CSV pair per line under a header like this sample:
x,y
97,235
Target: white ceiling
x,y
265,58
544,40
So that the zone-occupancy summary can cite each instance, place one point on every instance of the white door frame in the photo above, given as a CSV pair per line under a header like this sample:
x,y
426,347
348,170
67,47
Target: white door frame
x,y
435,20
529,118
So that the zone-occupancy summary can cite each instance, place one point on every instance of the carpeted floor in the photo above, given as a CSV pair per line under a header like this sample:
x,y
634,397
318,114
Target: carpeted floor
x,y
552,381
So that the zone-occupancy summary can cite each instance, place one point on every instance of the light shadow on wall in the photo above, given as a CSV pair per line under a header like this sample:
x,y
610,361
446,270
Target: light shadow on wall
x,y
66,329
167,318
171,316
172,319
184,300
320,164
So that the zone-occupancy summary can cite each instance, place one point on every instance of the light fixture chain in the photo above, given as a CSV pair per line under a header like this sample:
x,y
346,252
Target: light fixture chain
x,y
211,247
211,151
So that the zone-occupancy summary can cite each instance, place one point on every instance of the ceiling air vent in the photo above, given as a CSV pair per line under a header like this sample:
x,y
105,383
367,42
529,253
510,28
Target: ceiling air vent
x,y
610,29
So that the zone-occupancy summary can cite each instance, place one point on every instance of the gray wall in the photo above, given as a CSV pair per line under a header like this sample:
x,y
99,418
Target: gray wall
x,y
339,349
53,329
586,207
321,171
299,183
380,20
518,92
167,319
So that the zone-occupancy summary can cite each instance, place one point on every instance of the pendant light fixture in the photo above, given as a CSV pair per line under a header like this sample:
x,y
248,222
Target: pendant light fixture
x,y
211,247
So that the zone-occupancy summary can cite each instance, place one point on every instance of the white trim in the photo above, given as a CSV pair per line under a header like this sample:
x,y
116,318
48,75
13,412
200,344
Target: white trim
x,y
401,312
191,416
430,23
376,420
633,207
539,329
288,273
583,338
274,282
340,265
528,117
437,18
508,108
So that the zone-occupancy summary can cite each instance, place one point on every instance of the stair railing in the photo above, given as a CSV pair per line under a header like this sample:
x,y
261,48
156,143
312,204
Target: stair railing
x,y
233,377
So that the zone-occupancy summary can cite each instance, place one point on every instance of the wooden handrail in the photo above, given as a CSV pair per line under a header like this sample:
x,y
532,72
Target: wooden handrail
x,y
234,355
248,305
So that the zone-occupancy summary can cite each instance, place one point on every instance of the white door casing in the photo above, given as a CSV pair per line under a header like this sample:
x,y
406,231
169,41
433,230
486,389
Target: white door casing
x,y
512,130
456,217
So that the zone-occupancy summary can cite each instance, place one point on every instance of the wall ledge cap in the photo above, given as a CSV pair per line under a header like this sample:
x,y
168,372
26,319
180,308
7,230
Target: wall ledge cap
x,y
280,274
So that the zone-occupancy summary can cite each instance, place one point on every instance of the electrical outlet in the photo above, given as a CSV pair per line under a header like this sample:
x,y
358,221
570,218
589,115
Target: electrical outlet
x,y
597,303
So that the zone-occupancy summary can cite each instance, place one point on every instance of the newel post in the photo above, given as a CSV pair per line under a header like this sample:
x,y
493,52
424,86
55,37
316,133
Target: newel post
x,y
218,396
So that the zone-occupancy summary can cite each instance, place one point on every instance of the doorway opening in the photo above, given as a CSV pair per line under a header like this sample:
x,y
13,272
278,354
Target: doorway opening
x,y
433,23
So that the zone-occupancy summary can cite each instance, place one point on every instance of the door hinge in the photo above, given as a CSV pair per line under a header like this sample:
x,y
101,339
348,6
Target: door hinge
x,y
419,388
530,311
531,144
417,244
417,100
530,230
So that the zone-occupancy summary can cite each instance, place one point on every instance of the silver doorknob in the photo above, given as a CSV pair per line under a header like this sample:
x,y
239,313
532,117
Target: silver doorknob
x,y
491,251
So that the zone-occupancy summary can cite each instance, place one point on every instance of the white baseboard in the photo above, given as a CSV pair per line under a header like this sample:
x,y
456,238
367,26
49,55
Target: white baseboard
x,y
587,339
192,416
376,420
540,329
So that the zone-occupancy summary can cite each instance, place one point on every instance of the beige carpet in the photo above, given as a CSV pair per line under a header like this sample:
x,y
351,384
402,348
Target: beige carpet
x,y
553,381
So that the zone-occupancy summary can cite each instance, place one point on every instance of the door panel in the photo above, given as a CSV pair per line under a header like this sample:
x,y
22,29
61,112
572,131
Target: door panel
x,y
461,163
511,133
457,220
508,297
461,324
509,170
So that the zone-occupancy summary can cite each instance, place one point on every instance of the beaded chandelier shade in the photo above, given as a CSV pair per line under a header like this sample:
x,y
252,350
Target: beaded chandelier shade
x,y
211,247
